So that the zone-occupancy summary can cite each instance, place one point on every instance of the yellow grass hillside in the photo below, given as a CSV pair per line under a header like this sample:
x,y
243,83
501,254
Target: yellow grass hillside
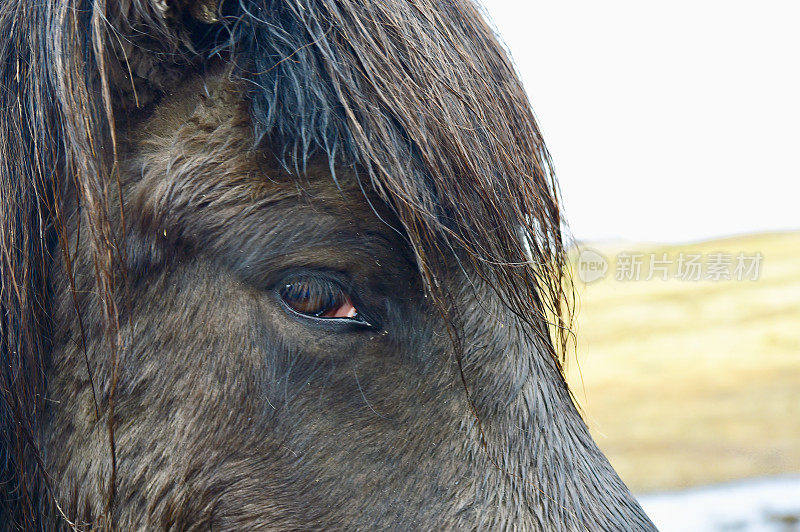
x,y
693,382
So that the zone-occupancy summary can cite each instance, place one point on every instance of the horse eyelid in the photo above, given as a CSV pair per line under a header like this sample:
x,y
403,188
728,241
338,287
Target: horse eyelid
x,y
359,321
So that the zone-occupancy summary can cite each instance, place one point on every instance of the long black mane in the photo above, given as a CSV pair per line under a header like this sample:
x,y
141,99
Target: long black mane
x,y
418,96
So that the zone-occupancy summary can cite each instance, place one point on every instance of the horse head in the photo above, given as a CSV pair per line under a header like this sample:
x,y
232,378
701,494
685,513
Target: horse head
x,y
290,264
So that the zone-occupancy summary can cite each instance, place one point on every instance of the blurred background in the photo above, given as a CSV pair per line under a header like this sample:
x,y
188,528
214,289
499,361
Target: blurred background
x,y
675,133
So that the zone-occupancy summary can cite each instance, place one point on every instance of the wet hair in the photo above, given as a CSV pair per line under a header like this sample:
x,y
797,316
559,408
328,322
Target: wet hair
x,y
419,97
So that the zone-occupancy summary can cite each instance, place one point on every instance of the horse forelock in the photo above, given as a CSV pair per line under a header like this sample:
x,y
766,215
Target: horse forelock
x,y
418,97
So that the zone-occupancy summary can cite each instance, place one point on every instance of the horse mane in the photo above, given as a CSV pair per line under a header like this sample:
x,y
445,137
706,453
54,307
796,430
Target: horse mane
x,y
418,96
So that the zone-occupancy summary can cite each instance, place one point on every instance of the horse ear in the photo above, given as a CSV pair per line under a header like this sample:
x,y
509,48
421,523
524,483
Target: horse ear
x,y
205,11
161,41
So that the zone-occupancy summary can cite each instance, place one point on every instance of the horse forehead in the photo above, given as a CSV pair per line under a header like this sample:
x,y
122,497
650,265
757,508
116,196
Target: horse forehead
x,y
197,147
196,176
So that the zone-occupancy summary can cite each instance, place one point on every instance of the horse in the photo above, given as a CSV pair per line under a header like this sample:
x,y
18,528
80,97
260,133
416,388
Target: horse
x,y
286,265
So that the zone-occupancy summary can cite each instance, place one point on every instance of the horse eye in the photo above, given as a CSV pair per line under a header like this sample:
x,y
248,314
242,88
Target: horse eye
x,y
318,298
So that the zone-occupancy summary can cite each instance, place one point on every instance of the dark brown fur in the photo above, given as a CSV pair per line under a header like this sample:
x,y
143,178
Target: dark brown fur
x,y
165,163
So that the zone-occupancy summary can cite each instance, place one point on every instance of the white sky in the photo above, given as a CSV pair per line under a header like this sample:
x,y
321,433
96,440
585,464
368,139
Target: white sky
x,y
667,121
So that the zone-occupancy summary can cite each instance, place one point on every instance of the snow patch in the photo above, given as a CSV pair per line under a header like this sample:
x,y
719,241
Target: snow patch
x,y
768,505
